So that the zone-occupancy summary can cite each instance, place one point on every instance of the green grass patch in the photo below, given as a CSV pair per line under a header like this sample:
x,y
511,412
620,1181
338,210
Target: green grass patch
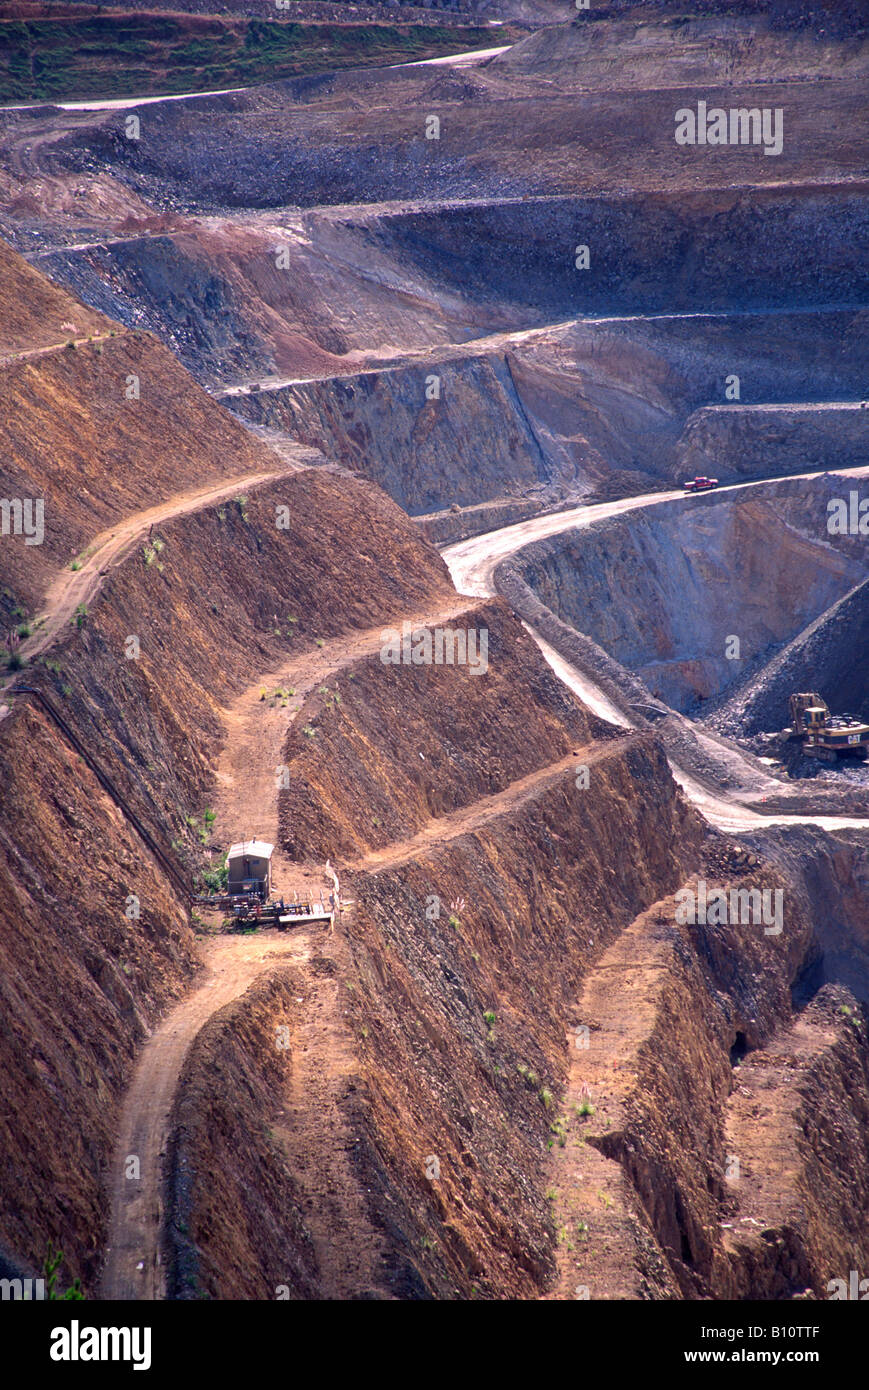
x,y
147,55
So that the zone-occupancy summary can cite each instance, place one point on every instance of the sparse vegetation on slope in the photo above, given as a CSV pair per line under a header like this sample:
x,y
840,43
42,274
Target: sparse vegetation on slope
x,y
107,55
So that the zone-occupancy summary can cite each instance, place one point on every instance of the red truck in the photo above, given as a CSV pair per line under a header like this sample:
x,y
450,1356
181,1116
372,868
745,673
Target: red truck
x,y
700,484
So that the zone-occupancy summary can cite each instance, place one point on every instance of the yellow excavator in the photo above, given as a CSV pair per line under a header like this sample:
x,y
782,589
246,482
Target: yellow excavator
x,y
826,735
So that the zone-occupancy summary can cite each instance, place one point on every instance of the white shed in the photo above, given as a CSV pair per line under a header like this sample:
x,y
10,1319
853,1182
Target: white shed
x,y
249,868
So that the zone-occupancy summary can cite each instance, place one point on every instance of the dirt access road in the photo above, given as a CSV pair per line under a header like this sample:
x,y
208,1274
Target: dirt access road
x,y
246,802
74,587
247,805
467,819
133,1268
31,354
472,564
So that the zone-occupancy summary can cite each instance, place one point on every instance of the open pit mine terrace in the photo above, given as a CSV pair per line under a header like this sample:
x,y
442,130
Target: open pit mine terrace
x,y
330,970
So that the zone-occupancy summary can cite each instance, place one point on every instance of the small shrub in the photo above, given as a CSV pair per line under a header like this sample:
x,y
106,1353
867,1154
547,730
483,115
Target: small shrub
x,y
215,878
50,1267
559,1129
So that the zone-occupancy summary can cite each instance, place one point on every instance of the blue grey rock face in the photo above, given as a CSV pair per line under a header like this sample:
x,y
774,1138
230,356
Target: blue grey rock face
x,y
666,592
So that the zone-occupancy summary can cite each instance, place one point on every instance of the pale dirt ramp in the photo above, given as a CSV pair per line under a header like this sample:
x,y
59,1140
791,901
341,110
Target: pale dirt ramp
x,y
257,724
74,588
134,1267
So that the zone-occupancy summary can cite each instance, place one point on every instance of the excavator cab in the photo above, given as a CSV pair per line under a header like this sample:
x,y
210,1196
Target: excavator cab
x,y
808,711
814,719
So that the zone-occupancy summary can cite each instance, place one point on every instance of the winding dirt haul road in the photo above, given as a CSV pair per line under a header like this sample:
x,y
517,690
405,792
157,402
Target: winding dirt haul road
x,y
472,564
133,1269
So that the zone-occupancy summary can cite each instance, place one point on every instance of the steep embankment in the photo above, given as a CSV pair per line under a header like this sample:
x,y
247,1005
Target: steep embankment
x,y
469,1076
697,1170
179,629
153,726
286,1217
648,588
430,435
612,407
747,250
93,947
138,679
716,44
476,947
136,1257
495,911
830,877
106,55
799,1186
832,652
462,738
239,298
94,432
476,961
617,402
733,441
35,312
